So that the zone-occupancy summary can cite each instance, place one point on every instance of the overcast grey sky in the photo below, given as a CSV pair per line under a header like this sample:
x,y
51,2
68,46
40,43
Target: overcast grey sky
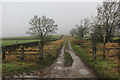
x,y
16,16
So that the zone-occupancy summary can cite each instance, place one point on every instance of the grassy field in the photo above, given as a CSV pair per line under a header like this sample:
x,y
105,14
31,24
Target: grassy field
x,y
107,68
11,66
115,38
11,42
88,37
27,37
21,37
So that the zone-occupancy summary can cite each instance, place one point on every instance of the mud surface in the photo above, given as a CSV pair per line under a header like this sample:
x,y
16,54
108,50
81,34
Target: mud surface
x,y
57,69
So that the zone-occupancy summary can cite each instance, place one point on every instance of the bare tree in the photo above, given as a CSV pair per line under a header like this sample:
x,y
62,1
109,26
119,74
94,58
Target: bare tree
x,y
107,16
96,35
42,27
118,12
73,32
106,24
83,28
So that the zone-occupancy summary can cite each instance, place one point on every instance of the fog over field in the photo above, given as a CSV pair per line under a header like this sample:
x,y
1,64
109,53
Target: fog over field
x,y
16,16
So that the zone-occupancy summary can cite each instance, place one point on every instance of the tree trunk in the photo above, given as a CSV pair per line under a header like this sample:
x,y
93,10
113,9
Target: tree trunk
x,y
104,50
94,51
82,35
3,55
22,56
40,50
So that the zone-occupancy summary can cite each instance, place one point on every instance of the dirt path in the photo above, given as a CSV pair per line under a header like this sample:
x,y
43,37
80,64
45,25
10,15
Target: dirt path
x,y
57,70
77,70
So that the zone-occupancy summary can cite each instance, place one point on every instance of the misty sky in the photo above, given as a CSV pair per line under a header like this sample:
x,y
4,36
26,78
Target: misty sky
x,y
16,16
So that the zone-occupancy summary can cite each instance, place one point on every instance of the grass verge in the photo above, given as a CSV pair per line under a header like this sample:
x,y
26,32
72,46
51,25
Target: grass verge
x,y
12,68
68,58
103,68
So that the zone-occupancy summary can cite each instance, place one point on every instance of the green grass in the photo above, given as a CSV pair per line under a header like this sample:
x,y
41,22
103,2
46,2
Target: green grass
x,y
68,59
12,42
100,67
28,37
21,37
56,36
12,68
66,44
86,38
0,69
115,38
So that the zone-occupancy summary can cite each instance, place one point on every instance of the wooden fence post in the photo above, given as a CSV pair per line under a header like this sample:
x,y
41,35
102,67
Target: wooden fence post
x,y
104,50
3,55
39,50
108,52
22,56
94,50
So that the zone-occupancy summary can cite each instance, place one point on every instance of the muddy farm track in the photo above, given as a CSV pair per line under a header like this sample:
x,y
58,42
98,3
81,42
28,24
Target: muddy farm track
x,y
57,69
